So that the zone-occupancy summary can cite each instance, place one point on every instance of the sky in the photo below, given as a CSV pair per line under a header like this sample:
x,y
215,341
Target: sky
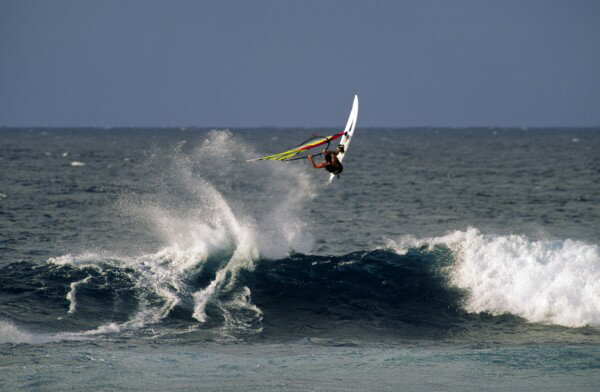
x,y
285,63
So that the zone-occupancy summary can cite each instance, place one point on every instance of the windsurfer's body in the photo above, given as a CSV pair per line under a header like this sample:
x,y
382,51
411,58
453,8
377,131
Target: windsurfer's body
x,y
331,164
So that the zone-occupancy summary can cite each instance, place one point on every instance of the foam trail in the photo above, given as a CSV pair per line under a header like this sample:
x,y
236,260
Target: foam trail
x,y
9,333
87,259
554,282
73,291
202,297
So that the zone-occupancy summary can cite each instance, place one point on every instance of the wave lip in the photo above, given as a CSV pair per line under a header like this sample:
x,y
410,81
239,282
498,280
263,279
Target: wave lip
x,y
553,282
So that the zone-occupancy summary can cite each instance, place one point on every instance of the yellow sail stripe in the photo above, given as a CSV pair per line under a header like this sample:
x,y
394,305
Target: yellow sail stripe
x,y
282,156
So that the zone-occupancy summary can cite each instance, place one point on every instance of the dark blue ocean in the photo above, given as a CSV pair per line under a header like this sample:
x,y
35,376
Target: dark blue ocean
x,y
159,259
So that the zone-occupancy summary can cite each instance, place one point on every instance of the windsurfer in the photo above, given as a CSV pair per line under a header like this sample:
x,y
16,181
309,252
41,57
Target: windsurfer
x,y
332,163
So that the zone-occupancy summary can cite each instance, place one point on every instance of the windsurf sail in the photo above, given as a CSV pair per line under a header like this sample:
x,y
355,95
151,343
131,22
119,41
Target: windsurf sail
x,y
291,155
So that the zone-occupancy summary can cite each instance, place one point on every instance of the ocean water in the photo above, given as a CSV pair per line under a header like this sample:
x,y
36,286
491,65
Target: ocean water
x,y
159,259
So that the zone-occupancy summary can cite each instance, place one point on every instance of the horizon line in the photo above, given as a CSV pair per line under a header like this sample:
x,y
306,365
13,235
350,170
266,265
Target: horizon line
x,y
200,127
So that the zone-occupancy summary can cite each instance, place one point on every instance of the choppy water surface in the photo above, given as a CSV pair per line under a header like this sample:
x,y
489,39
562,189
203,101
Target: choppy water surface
x,y
455,259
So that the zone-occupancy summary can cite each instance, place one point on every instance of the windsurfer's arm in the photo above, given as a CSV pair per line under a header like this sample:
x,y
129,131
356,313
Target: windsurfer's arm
x,y
316,166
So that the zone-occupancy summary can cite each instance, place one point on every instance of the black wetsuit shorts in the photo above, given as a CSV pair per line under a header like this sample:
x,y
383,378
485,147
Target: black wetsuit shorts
x,y
335,170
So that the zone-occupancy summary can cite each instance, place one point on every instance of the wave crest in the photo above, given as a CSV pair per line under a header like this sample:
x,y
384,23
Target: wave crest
x,y
544,281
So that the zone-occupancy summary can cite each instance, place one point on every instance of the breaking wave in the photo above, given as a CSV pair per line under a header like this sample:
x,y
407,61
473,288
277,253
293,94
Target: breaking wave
x,y
233,260
543,281
210,211
460,283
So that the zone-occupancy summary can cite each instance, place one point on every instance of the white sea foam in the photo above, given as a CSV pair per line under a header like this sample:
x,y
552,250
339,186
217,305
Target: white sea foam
x,y
555,282
87,259
9,333
71,294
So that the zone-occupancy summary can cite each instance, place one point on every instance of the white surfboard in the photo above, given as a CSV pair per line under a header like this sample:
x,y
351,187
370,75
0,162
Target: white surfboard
x,y
348,132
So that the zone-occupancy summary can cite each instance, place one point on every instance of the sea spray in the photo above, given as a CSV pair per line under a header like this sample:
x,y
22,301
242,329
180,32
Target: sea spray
x,y
10,333
211,214
242,211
